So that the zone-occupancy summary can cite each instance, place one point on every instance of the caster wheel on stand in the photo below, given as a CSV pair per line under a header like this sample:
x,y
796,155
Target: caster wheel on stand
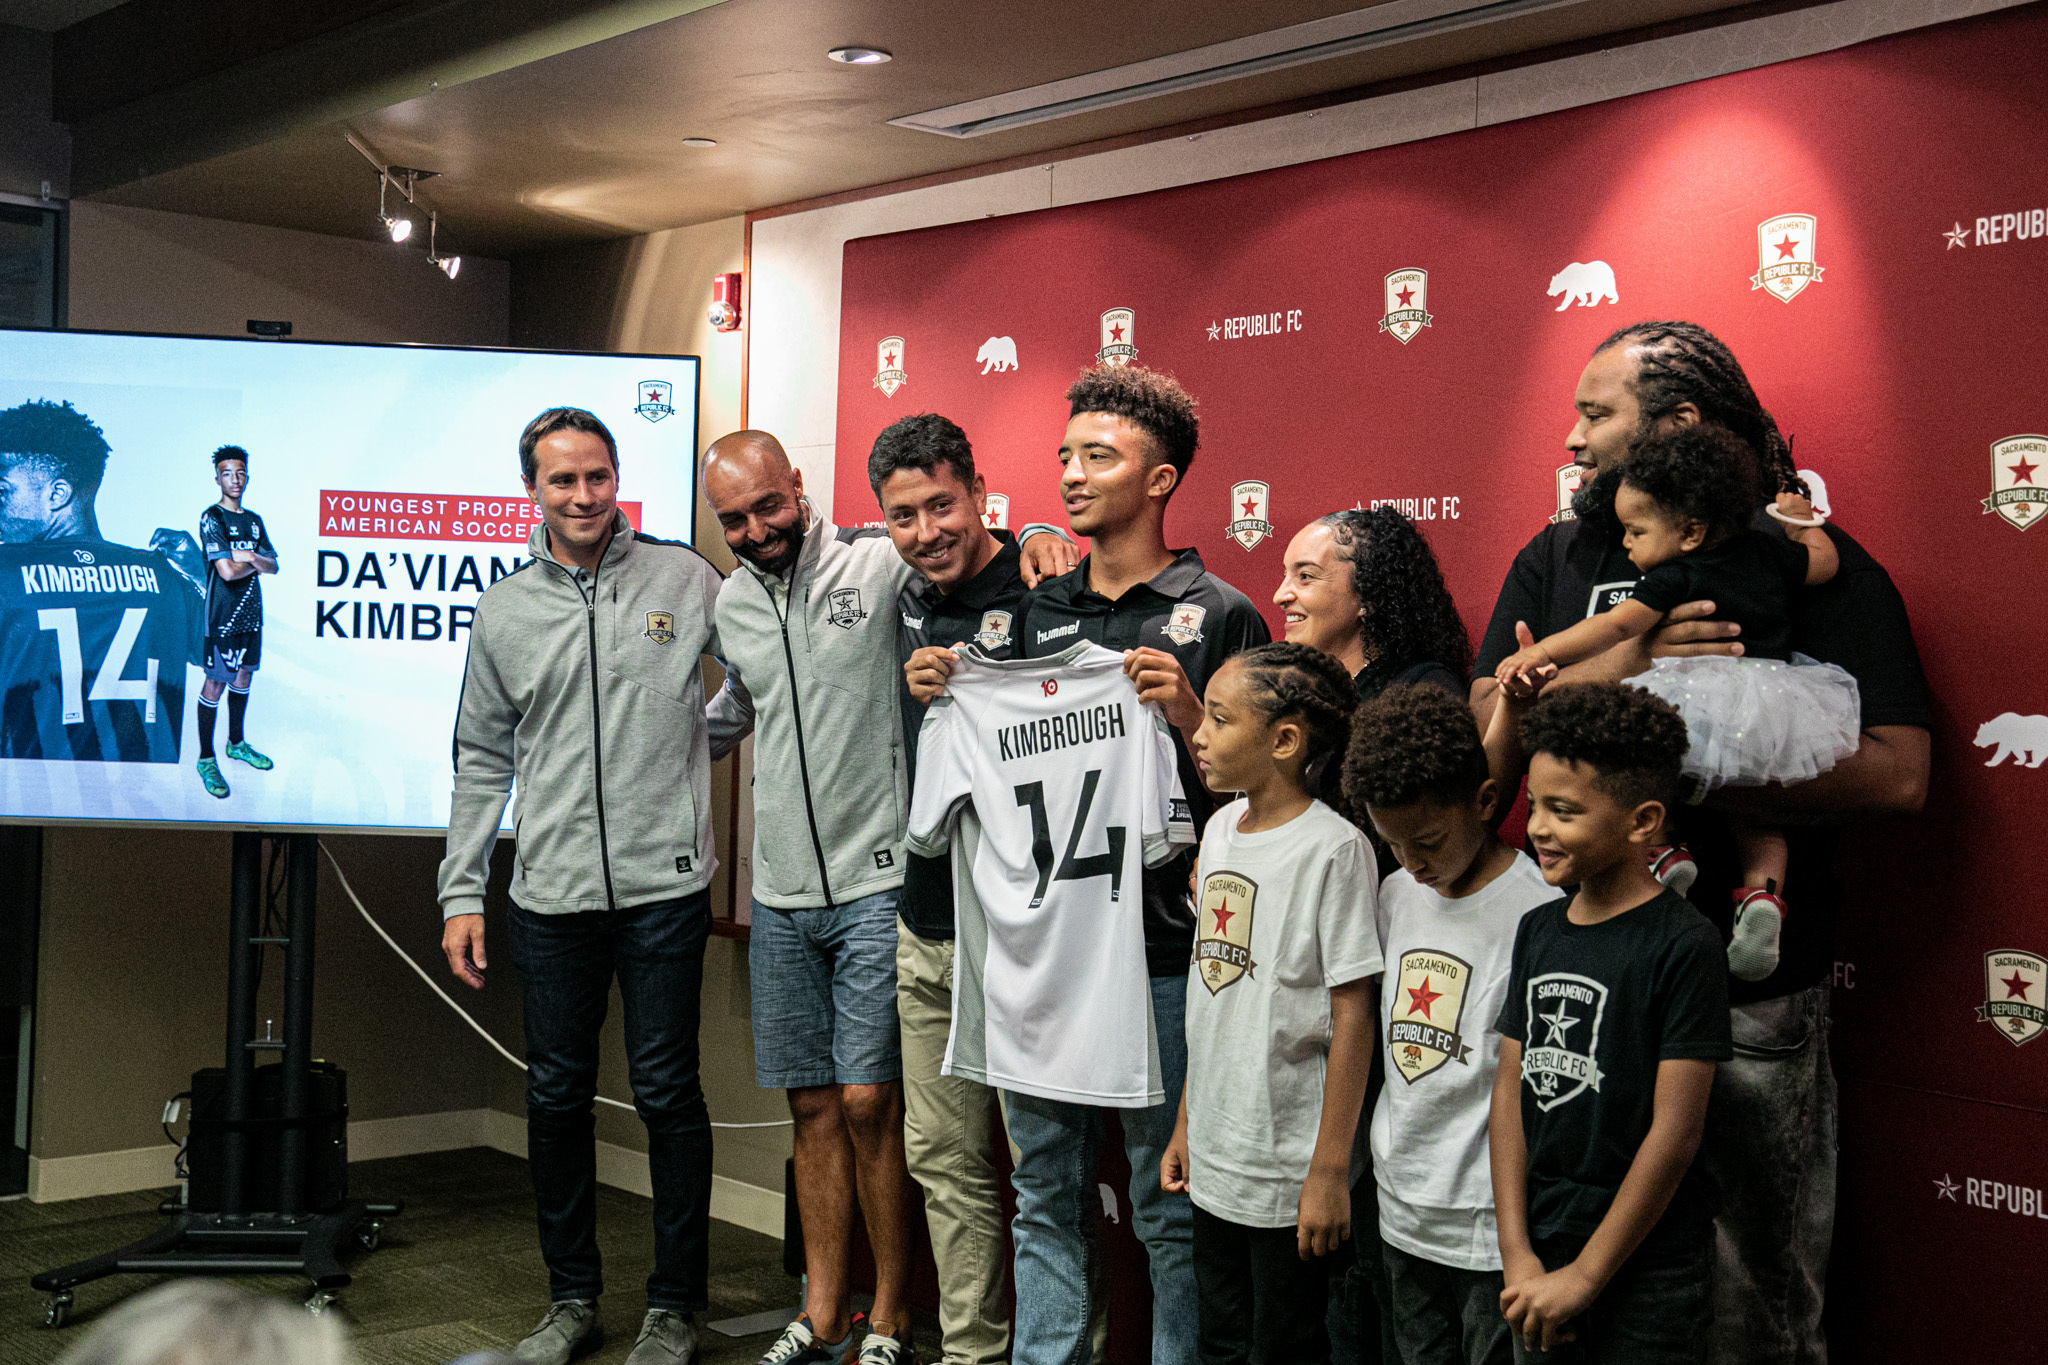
x,y
369,1236
57,1310
319,1300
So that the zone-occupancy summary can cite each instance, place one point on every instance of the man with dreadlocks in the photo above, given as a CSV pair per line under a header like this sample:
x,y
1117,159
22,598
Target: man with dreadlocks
x,y
1771,1134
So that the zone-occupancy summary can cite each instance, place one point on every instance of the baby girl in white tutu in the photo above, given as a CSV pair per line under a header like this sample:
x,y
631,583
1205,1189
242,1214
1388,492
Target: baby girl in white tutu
x,y
1685,504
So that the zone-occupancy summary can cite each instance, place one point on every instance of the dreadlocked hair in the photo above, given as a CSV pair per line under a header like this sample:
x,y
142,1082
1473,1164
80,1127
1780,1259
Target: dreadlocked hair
x,y
1405,611
1682,362
1298,681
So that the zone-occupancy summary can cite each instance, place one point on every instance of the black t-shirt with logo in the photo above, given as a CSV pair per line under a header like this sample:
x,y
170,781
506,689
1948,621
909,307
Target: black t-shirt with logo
x,y
1200,620
1856,619
1596,1007
233,608
985,612
1753,577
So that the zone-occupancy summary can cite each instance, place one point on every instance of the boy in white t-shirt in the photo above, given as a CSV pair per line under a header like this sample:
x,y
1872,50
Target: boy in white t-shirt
x,y
1447,924
1280,1007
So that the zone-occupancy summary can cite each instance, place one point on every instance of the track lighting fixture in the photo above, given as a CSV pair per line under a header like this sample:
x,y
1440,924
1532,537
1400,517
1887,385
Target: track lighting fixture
x,y
449,264
398,225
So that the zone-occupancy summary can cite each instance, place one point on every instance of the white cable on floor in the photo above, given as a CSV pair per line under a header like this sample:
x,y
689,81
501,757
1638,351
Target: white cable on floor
x,y
446,999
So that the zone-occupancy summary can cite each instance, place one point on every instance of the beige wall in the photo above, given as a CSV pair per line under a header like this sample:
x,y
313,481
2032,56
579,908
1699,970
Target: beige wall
x,y
650,294
143,271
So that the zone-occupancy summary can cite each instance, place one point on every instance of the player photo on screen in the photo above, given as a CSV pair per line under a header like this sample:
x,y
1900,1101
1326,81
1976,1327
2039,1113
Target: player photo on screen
x,y
143,593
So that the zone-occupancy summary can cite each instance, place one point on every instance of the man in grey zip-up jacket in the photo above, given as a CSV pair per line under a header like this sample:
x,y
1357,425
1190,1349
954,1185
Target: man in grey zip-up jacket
x,y
809,622
584,684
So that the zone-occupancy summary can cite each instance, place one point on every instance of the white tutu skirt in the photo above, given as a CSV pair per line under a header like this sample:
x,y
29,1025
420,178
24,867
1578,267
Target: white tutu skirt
x,y
1752,721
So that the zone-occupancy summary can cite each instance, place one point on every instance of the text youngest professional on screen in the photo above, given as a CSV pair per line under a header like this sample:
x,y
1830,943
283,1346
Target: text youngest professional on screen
x,y
584,684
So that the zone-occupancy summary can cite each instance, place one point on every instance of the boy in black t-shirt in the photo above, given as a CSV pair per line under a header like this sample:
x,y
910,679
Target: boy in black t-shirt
x,y
1617,1012
238,549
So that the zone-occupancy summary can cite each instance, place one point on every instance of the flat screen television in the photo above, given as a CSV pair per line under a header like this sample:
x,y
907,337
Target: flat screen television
x,y
384,486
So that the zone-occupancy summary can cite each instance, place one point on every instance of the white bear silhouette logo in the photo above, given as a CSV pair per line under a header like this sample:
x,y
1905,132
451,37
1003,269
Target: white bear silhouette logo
x,y
998,354
1586,283
2015,735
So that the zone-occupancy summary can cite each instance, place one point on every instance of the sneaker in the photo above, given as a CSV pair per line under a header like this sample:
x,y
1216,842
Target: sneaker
x,y
209,774
1753,948
666,1338
1670,864
569,1329
798,1346
880,1350
240,750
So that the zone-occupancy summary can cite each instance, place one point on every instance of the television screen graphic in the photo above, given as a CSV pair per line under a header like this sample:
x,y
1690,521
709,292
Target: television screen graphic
x,y
237,577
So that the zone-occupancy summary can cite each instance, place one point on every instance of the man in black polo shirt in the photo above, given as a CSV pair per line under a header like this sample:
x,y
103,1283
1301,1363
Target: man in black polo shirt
x,y
1131,436
968,590
1771,1133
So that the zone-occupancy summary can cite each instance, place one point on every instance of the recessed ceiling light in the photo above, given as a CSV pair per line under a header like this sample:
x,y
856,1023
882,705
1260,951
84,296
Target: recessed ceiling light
x,y
700,142
859,56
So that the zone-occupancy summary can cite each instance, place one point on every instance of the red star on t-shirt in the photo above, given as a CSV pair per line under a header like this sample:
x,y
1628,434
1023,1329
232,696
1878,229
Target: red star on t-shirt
x,y
1787,247
1404,293
2016,985
1116,333
1251,506
1223,917
2023,472
889,360
1420,998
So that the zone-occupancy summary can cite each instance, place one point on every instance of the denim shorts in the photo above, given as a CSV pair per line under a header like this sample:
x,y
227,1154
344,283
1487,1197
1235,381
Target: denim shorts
x,y
824,992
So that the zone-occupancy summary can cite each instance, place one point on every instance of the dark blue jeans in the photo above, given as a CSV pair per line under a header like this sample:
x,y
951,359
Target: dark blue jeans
x,y
566,964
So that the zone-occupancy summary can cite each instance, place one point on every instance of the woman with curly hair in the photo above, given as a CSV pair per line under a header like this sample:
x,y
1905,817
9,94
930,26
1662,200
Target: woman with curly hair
x,y
1364,587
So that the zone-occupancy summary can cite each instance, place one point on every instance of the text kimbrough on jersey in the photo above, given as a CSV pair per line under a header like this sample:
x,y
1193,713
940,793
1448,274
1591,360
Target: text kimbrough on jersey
x,y
1059,732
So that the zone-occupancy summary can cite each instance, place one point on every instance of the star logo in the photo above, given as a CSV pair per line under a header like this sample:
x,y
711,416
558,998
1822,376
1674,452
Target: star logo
x,y
1250,526
1421,997
2023,472
2016,492
1957,236
891,373
1251,506
2016,985
1223,954
991,518
890,360
1786,247
1224,915
1786,260
1945,1188
1119,337
2010,975
1406,296
1557,1023
1406,292
1116,333
1215,331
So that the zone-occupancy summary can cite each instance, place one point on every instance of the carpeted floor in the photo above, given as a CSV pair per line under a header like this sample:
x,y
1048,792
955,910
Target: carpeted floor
x,y
458,1271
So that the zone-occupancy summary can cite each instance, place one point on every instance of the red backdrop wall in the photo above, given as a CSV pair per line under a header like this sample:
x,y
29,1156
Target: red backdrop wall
x,y
1920,344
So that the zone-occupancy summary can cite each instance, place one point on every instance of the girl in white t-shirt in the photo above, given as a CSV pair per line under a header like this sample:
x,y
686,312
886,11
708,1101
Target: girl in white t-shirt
x,y
1280,1006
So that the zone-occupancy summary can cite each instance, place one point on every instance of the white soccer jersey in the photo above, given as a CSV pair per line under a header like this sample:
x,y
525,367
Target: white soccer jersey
x,y
1065,789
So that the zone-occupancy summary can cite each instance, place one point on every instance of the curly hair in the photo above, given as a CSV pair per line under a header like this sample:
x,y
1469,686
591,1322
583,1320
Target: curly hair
x,y
1682,362
56,437
1413,743
1153,402
1634,742
1301,682
1701,473
1406,614
923,443
226,453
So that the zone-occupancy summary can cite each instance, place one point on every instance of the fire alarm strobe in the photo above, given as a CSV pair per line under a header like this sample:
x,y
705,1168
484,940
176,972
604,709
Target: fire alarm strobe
x,y
725,302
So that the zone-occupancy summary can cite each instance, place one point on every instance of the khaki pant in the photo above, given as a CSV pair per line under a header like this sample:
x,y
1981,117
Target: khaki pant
x,y
947,1123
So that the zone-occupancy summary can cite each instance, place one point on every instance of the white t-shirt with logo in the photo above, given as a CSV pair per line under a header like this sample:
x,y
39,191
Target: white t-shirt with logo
x,y
1065,789
1448,963
1282,915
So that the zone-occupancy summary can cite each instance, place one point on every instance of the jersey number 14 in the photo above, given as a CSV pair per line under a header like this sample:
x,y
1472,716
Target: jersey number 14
x,y
107,683
1071,869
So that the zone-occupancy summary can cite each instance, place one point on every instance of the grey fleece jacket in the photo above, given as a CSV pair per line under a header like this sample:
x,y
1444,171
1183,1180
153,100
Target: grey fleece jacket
x,y
817,656
589,690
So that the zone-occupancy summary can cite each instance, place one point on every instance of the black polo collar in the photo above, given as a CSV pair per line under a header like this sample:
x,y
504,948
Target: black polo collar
x,y
1172,583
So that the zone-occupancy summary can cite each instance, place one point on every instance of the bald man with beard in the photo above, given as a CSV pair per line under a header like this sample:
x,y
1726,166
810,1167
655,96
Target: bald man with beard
x,y
808,622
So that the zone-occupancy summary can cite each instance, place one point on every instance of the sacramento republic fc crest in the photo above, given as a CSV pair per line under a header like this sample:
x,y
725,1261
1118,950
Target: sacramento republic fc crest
x,y
889,372
2016,480
2015,994
1563,1013
1223,937
1784,255
996,512
1569,479
1427,1007
654,399
1119,337
995,630
1184,623
1407,304
847,611
1248,505
661,627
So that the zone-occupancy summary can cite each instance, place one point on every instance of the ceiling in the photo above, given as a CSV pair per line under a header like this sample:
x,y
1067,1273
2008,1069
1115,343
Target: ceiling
x,y
573,133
